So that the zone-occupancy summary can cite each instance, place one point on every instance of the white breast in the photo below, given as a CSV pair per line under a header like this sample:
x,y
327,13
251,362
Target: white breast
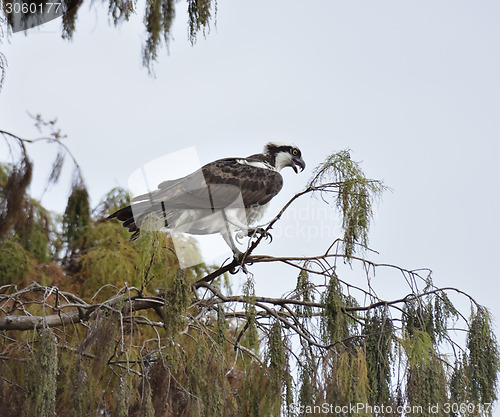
x,y
255,213
257,164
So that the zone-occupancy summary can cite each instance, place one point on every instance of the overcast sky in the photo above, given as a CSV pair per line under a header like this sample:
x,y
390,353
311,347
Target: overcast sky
x,y
412,88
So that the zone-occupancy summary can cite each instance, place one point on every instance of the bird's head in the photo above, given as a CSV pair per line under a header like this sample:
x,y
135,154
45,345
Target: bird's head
x,y
284,155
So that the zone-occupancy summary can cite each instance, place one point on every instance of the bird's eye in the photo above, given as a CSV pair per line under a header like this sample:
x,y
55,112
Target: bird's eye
x,y
295,152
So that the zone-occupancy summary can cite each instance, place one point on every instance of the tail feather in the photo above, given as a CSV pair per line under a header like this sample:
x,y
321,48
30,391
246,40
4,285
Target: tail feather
x,y
122,214
132,218
126,216
129,222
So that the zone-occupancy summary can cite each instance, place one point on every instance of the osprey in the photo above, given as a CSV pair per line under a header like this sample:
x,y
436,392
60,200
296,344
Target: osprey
x,y
224,196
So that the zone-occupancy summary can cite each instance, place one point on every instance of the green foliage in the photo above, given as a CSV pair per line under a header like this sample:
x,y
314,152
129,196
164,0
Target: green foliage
x,y
147,403
198,382
158,21
426,377
122,397
345,379
444,311
418,346
16,180
121,10
429,314
418,317
279,372
25,220
277,357
257,396
76,216
206,374
156,264
148,263
16,263
483,360
101,339
177,300
43,376
114,200
37,233
5,171
305,292
355,196
308,392
334,325
222,325
351,377
250,312
200,13
103,265
77,382
378,330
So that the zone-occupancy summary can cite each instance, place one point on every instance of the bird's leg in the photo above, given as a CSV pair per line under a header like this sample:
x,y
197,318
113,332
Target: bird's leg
x,y
238,258
237,254
228,237
244,229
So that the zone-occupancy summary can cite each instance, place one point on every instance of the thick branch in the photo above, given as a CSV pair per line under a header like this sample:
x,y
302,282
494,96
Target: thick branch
x,y
38,322
84,313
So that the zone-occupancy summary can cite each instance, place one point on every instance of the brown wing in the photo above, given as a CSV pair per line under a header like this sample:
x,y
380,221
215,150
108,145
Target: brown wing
x,y
218,185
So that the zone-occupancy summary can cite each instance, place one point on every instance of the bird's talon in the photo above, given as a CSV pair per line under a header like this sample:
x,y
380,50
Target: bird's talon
x,y
238,237
264,233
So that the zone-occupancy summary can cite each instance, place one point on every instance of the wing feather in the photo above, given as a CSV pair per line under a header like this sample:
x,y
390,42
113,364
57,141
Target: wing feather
x,y
218,185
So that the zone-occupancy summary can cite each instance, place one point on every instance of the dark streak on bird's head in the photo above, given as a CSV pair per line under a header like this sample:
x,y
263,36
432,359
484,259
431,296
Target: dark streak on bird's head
x,y
282,154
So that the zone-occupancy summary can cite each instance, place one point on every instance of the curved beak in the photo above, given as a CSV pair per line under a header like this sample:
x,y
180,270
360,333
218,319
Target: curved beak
x,y
298,162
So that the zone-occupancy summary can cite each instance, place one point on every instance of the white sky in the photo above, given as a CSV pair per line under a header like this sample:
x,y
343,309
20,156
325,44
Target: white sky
x,y
412,88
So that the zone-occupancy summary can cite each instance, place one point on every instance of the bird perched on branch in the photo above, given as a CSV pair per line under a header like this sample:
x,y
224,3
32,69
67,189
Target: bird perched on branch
x,y
225,196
